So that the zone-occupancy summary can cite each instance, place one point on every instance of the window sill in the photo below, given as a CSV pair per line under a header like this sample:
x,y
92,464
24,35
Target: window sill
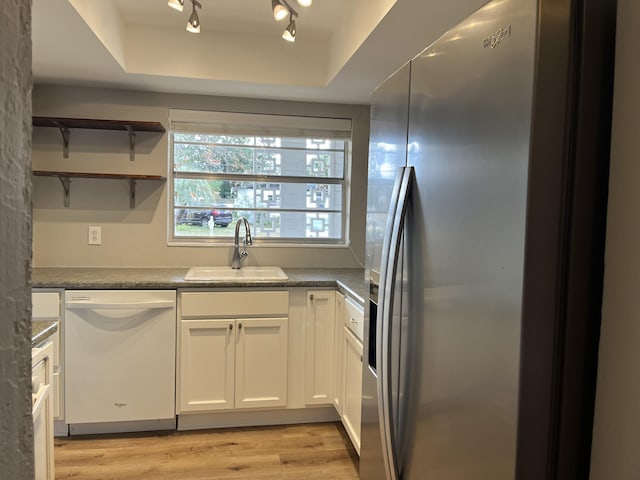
x,y
257,244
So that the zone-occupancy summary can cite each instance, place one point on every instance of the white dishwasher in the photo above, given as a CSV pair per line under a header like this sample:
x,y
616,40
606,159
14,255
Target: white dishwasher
x,y
120,360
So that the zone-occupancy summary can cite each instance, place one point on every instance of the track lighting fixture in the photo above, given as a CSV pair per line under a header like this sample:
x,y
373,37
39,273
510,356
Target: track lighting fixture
x,y
281,10
177,4
193,25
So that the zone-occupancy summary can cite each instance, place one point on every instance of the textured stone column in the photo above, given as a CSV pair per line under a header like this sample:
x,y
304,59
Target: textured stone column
x,y
16,430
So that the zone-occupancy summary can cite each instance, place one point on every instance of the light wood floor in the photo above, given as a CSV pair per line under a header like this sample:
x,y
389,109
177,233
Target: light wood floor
x,y
318,451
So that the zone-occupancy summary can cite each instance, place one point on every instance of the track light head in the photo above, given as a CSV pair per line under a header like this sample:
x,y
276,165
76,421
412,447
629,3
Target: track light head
x,y
280,11
176,4
305,3
193,25
289,33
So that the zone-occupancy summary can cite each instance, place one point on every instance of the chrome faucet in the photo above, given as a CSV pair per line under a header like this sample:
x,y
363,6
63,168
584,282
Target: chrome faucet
x,y
238,255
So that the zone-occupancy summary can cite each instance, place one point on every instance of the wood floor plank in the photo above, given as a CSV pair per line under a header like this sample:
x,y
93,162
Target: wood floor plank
x,y
318,451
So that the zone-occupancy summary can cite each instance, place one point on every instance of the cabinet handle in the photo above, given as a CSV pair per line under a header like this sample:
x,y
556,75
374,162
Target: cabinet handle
x,y
240,326
231,326
311,297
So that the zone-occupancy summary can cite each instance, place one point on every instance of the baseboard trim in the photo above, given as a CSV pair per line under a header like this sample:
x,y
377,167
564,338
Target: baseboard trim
x,y
200,421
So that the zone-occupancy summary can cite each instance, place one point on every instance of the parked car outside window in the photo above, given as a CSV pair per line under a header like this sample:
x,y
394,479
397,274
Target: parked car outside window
x,y
220,218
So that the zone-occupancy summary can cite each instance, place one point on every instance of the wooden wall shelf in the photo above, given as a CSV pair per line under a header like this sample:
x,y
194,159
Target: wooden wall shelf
x,y
130,126
65,180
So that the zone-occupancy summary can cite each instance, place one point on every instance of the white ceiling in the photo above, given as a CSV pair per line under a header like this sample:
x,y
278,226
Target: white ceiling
x,y
343,48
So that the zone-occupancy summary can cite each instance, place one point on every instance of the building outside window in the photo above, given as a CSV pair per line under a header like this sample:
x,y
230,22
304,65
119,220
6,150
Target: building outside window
x,y
286,174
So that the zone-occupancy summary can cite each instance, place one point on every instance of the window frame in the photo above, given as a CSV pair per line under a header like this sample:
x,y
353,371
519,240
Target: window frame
x,y
282,123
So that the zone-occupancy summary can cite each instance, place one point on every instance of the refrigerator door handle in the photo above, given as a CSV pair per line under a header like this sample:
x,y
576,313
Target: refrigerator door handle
x,y
389,268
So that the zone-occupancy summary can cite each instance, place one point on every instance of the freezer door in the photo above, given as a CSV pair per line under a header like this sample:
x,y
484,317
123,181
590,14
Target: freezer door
x,y
387,154
469,122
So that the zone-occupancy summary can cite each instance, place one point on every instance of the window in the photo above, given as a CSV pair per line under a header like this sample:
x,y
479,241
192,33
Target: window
x,y
285,174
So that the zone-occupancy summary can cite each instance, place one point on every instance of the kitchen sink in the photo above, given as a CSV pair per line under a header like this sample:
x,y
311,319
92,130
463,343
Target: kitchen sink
x,y
244,274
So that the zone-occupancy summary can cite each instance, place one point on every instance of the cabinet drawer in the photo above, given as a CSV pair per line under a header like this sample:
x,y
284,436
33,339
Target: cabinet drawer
x,y
234,304
354,317
46,305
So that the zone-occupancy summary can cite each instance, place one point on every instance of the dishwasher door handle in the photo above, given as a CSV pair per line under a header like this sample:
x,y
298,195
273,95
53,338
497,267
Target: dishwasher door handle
x,y
121,305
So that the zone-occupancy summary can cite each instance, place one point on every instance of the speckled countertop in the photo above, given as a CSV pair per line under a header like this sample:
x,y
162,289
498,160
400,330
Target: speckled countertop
x,y
41,330
349,280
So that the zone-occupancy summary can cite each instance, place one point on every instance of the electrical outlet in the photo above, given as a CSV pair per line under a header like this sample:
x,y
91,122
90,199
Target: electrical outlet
x,y
95,235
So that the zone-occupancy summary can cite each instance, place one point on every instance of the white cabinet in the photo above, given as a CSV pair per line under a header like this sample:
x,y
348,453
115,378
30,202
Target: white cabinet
x,y
351,409
261,362
338,381
348,385
47,306
42,410
333,363
319,343
237,361
206,365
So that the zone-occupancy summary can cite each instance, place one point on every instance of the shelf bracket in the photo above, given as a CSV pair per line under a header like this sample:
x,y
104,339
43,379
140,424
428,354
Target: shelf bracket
x,y
132,193
66,134
132,144
66,185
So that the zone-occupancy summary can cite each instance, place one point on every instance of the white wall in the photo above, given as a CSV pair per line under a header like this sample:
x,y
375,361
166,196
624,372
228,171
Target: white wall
x,y
616,433
138,237
16,425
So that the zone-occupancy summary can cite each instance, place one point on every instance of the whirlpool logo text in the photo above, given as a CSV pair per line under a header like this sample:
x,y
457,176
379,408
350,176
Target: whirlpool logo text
x,y
493,40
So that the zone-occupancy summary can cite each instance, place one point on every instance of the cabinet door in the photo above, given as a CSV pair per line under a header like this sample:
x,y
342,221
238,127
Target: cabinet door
x,y
206,367
47,305
338,340
261,362
319,325
42,411
351,409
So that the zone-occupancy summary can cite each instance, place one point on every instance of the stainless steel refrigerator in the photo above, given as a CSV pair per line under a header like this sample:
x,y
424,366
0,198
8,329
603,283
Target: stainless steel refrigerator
x,y
485,230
